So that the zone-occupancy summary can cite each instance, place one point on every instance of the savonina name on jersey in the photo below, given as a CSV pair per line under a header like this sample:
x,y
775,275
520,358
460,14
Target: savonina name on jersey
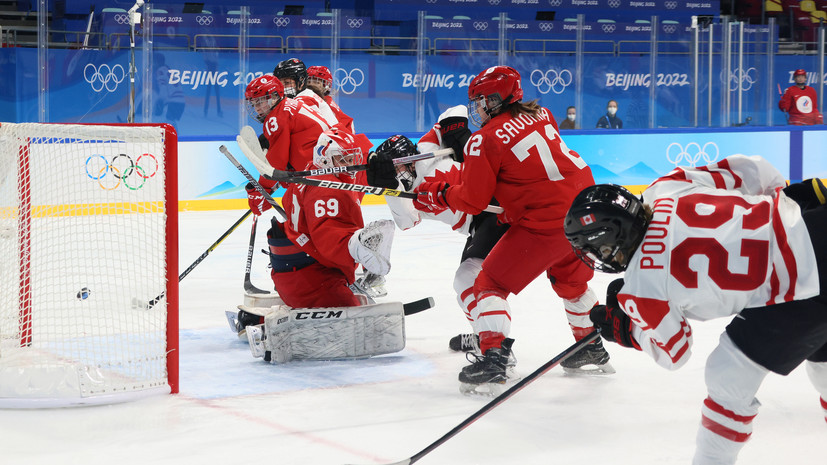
x,y
513,127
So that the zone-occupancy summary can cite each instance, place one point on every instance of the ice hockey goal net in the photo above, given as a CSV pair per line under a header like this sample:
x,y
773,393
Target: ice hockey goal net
x,y
88,240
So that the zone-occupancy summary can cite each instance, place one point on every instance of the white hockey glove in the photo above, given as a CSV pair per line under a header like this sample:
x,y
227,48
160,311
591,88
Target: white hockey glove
x,y
371,246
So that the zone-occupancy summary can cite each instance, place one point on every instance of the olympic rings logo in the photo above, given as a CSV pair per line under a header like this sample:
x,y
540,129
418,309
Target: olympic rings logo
x,y
123,170
614,3
281,21
494,2
683,157
555,2
671,5
551,80
669,28
204,20
122,19
546,27
355,23
608,28
744,80
480,25
431,1
104,77
347,81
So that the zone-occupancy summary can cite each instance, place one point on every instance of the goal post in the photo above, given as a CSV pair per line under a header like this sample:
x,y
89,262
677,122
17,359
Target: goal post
x,y
88,231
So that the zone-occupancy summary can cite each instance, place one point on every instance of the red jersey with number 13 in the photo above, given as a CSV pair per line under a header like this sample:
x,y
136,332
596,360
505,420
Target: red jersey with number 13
x,y
523,162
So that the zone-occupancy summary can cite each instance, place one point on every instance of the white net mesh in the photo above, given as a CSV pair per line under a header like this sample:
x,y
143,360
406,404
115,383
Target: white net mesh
x,y
82,234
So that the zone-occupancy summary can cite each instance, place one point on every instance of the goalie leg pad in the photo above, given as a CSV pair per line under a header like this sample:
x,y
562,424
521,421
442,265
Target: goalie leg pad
x,y
337,333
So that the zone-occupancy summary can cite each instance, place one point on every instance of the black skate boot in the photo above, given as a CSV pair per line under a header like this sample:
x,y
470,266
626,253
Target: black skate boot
x,y
487,374
591,360
469,342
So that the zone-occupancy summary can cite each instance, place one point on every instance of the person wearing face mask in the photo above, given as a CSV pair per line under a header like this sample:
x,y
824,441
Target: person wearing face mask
x,y
610,119
571,118
800,101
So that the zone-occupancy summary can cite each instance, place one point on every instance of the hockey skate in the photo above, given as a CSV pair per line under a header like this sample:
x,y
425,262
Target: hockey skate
x,y
372,285
591,360
468,342
488,374
239,321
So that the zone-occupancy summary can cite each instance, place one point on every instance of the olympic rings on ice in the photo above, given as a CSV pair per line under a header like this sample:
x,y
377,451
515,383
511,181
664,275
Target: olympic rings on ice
x,y
121,169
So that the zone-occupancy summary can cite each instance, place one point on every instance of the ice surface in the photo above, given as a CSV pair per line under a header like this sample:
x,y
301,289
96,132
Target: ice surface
x,y
233,408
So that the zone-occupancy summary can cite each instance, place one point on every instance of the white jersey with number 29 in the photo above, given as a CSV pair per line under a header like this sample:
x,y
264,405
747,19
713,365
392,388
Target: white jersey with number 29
x,y
723,237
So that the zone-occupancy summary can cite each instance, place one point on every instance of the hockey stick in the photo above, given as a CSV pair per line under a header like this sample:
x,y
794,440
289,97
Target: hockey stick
x,y
576,347
248,285
417,306
137,303
355,168
360,188
253,181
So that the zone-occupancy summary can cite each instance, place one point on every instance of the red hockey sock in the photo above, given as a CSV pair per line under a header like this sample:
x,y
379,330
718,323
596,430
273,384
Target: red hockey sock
x,y
489,340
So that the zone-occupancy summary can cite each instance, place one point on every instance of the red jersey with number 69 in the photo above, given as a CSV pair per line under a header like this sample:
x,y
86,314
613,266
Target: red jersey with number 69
x,y
321,222
523,163
723,237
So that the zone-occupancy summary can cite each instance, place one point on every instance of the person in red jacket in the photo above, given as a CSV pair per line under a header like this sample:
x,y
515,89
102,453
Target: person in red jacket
x,y
800,101
518,158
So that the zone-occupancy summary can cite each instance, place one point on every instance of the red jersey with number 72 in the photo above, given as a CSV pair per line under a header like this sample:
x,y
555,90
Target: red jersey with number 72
x,y
523,162
723,237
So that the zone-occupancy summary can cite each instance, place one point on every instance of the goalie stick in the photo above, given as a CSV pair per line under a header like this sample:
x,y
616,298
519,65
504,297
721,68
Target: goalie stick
x,y
576,347
137,303
248,285
259,160
253,181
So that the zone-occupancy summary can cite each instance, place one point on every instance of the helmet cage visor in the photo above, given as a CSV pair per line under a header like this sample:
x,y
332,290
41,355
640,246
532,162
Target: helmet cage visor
x,y
481,108
259,107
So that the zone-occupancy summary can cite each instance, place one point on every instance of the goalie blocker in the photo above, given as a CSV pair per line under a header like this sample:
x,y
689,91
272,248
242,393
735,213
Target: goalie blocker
x,y
337,333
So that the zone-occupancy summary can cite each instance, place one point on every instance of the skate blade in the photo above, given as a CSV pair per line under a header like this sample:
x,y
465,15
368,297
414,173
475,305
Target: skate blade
x,y
592,370
482,390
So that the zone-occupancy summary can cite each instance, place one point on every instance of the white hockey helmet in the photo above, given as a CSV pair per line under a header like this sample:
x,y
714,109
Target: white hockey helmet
x,y
337,148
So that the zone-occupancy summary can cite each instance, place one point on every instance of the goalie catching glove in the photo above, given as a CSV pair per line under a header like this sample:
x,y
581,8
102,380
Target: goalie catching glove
x,y
371,246
614,324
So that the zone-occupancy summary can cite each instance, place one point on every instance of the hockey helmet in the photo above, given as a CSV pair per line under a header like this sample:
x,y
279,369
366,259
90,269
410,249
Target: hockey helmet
x,y
295,70
262,95
605,225
799,72
320,75
336,147
399,146
490,90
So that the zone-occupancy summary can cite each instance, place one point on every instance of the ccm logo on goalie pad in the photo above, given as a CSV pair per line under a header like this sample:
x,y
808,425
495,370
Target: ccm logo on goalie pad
x,y
318,315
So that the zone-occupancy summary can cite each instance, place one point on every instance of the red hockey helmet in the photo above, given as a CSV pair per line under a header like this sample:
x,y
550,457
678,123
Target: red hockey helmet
x,y
321,76
799,72
490,90
340,148
262,95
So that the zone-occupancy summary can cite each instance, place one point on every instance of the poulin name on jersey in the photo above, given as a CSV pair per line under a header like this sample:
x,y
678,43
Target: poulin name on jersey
x,y
513,127
654,242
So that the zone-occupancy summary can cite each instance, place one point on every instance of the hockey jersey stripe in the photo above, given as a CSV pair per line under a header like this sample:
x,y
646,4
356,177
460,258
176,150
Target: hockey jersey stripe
x,y
719,409
723,431
786,252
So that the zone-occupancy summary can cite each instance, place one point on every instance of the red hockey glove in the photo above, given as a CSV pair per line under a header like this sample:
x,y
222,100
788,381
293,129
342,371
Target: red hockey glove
x,y
432,197
256,200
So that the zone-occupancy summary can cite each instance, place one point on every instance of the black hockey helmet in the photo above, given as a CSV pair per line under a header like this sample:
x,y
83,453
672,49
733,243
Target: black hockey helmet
x,y
605,225
294,69
399,146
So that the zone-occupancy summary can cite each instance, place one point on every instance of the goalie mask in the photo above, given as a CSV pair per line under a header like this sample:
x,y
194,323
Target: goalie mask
x,y
337,148
293,75
605,225
399,146
490,90
320,77
262,95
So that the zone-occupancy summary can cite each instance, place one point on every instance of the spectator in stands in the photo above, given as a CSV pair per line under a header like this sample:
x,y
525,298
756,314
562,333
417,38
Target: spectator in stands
x,y
800,101
571,119
610,119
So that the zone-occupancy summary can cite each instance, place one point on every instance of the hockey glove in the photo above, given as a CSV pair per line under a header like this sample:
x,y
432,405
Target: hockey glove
x,y
381,172
809,193
615,326
432,197
612,291
455,133
258,204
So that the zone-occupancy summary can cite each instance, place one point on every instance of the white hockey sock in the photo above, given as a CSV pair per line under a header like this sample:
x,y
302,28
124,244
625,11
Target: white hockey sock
x,y
817,371
464,286
577,312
